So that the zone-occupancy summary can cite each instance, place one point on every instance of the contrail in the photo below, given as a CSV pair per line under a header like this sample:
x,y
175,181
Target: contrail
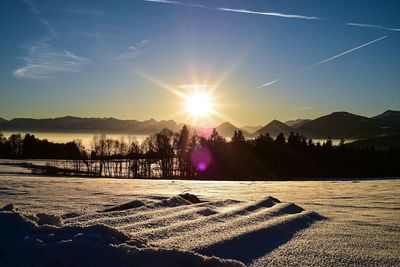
x,y
373,26
344,53
291,16
269,83
329,59
244,11
274,14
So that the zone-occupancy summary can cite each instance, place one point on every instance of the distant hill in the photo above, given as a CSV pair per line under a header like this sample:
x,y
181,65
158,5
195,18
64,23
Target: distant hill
x,y
274,128
76,124
296,123
335,125
389,116
251,129
348,125
227,129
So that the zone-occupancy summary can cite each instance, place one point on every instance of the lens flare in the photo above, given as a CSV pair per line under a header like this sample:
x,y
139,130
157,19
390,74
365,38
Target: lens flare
x,y
201,158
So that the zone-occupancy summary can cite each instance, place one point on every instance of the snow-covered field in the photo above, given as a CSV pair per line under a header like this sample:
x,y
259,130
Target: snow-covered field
x,y
58,221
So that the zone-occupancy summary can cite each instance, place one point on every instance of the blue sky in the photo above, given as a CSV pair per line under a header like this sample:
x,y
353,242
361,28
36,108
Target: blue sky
x,y
102,58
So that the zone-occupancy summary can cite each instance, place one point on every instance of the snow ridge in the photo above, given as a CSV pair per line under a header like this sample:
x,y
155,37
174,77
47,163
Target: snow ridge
x,y
178,231
24,243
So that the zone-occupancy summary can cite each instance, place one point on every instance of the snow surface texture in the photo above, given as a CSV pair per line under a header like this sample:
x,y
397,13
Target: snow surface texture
x,y
102,222
169,232
24,243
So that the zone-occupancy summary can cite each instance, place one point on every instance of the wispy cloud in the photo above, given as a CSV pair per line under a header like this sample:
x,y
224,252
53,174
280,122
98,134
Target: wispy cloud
x,y
380,27
133,51
330,59
50,29
43,61
344,53
244,11
32,6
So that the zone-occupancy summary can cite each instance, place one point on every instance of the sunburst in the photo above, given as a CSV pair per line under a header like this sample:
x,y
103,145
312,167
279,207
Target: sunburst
x,y
199,103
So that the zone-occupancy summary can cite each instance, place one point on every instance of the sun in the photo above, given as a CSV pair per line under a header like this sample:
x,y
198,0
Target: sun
x,y
199,104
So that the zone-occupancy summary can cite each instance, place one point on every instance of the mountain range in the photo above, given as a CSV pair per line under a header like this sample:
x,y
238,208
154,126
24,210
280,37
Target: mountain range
x,y
348,125
335,125
77,124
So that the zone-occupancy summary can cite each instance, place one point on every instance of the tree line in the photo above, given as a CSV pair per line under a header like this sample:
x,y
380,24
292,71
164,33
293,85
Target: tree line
x,y
184,154
17,146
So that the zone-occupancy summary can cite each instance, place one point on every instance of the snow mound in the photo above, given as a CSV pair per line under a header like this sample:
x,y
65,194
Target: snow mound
x,y
8,207
49,219
264,203
13,225
190,197
291,208
253,241
40,218
25,243
179,200
130,205
175,201
207,212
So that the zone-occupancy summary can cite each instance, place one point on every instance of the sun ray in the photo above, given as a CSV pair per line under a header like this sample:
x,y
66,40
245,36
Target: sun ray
x,y
235,63
161,84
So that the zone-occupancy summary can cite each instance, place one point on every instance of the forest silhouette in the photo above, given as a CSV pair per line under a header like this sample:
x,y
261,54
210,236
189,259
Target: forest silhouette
x,y
185,155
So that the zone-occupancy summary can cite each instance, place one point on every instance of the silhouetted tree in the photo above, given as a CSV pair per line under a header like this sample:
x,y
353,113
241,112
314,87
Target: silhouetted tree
x,y
238,137
164,150
182,150
15,142
280,139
